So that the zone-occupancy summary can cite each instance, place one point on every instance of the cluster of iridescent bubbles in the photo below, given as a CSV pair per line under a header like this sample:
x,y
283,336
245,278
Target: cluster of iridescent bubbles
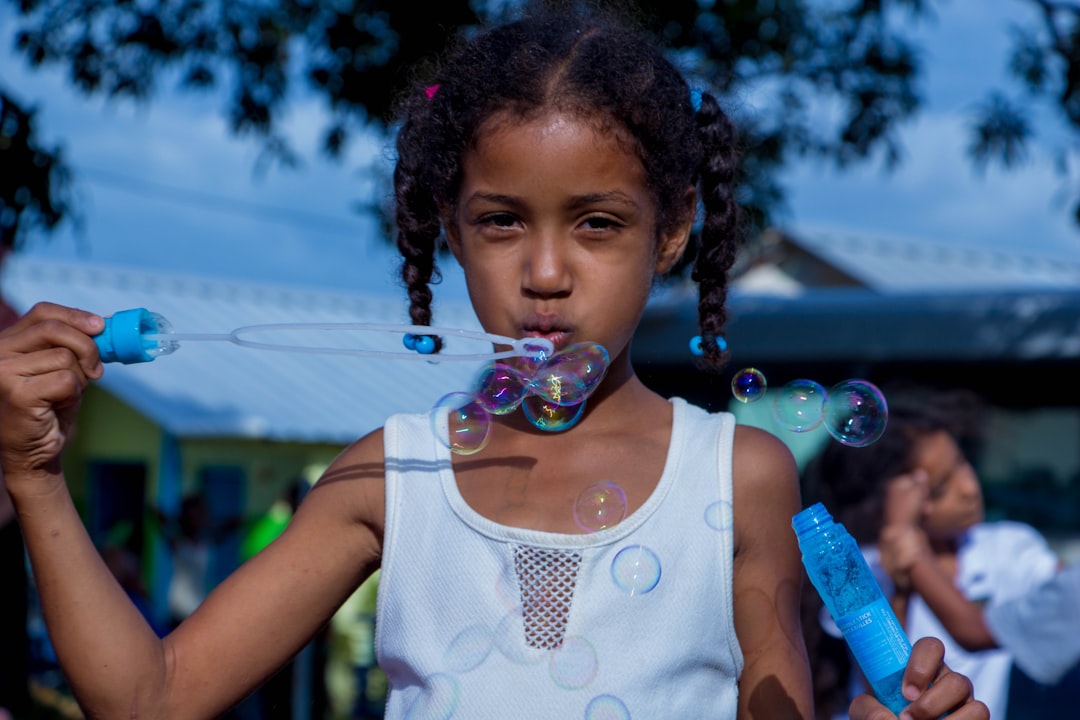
x,y
854,412
550,389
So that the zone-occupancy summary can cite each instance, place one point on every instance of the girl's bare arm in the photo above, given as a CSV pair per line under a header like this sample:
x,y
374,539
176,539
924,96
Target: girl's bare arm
x,y
775,684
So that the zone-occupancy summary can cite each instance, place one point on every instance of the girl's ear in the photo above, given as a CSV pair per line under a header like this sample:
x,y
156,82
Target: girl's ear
x,y
672,244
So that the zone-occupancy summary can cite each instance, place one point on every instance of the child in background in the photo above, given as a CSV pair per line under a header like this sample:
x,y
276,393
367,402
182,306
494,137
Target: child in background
x,y
1039,628
563,159
986,562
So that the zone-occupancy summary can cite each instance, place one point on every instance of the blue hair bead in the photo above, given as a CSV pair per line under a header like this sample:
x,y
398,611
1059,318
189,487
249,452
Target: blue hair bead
x,y
409,341
697,348
697,345
695,98
425,344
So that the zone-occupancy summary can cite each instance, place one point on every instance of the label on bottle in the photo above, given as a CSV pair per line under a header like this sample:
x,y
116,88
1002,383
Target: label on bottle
x,y
876,639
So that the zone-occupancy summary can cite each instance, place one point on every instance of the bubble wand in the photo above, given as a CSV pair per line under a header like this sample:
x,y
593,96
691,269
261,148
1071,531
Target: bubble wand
x,y
138,335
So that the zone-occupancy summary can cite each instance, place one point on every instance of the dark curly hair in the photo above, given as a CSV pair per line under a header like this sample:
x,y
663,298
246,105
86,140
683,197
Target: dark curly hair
x,y
595,66
851,481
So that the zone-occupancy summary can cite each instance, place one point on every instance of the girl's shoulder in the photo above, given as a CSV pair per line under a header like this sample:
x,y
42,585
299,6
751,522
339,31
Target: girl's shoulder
x,y
353,485
1005,534
1007,555
366,449
764,474
760,451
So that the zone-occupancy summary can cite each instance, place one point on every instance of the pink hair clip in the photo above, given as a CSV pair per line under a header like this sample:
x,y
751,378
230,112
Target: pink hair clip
x,y
430,90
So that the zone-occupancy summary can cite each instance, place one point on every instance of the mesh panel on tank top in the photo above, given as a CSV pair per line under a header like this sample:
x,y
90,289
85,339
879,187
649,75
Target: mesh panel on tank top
x,y
546,578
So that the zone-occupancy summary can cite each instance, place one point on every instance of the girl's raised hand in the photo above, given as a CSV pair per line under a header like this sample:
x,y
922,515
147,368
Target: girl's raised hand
x,y
902,540
47,358
932,688
905,496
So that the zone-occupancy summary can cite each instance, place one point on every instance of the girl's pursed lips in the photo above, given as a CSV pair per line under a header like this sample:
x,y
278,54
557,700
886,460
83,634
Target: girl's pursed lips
x,y
545,323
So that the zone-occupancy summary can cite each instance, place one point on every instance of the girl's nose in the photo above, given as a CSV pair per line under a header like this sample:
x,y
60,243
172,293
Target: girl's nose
x,y
969,481
547,270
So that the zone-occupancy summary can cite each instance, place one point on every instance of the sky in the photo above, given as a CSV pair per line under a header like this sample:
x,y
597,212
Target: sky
x,y
164,186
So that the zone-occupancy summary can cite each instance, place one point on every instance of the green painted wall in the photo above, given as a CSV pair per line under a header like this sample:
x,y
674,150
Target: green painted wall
x,y
110,431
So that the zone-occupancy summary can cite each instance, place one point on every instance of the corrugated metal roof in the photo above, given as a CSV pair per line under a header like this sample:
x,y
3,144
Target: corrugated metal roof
x,y
211,389
857,324
898,265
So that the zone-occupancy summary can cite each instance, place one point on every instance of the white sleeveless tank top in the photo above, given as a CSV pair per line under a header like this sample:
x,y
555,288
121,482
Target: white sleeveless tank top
x,y
479,620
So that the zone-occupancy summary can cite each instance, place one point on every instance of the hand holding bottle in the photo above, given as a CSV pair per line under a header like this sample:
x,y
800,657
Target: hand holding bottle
x,y
931,687
836,568
47,358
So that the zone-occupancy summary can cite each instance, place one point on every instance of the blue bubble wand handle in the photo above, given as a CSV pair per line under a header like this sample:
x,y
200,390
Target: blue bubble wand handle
x,y
839,572
138,335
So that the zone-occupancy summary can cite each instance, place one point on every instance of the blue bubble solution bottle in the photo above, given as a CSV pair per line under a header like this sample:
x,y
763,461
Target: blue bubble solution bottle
x,y
839,573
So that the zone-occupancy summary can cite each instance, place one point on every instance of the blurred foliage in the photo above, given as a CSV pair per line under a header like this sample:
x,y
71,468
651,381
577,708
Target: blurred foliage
x,y
832,79
35,184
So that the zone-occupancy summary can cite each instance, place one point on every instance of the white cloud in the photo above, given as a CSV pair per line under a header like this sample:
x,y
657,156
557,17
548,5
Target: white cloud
x,y
936,194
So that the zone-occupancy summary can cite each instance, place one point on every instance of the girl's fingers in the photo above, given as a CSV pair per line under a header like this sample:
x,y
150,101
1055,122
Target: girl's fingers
x,y
55,326
865,707
934,689
924,666
950,694
38,417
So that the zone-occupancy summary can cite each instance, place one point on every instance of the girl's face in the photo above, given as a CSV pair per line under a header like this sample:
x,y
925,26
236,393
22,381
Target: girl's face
x,y
954,502
556,231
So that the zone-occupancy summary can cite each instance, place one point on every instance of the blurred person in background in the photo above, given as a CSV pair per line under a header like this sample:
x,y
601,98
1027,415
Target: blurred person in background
x,y
987,563
1040,628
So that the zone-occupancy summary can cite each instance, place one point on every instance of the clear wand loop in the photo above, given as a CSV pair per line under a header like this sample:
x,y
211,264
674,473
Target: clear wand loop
x,y
138,335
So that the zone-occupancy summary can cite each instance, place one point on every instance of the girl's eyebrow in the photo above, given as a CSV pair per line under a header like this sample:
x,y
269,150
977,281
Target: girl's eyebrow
x,y
576,201
615,196
496,198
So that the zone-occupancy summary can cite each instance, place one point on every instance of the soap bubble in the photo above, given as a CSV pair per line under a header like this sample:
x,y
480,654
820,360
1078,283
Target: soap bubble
x,y
606,707
557,386
599,506
748,385
551,416
856,412
635,570
529,364
438,699
587,361
719,515
509,642
798,405
573,664
469,424
470,648
501,388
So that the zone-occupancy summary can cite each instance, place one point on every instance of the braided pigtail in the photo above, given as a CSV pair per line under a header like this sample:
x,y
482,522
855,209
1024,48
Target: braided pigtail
x,y
722,228
418,225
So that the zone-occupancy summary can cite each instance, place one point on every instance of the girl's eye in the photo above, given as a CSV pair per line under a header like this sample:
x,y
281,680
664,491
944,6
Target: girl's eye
x,y
601,222
937,489
499,220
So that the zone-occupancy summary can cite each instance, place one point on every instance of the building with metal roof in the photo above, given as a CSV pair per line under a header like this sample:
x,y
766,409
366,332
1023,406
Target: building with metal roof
x,y
209,389
889,265
820,305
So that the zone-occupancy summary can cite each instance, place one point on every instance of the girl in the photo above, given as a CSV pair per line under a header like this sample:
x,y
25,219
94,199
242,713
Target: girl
x,y
563,160
915,504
